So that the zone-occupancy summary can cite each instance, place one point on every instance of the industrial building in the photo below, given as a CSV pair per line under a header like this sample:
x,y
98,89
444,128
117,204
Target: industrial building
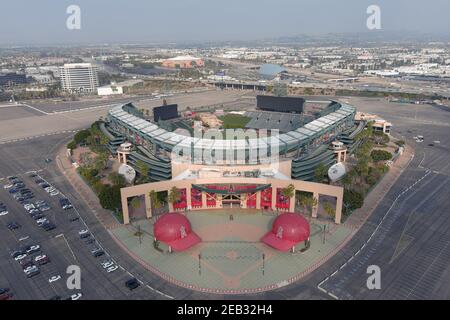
x,y
183,62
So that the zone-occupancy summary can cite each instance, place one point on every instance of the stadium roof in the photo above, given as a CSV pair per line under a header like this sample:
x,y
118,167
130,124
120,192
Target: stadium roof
x,y
271,69
285,141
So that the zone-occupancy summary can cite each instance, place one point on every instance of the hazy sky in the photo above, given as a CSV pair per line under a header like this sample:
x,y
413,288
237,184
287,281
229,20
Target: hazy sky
x,y
44,21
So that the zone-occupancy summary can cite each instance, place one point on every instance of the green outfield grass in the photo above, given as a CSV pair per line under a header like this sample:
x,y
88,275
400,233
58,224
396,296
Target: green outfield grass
x,y
234,121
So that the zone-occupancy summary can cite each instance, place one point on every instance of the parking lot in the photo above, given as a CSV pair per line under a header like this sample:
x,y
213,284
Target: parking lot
x,y
64,246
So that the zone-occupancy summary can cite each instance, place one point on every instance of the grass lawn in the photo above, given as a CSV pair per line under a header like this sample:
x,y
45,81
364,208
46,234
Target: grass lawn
x,y
234,121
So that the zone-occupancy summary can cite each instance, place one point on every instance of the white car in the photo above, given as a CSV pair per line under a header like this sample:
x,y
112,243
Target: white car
x,y
76,296
34,248
107,264
4,213
40,257
54,278
83,232
50,189
28,206
20,257
41,220
30,269
112,268
8,186
54,193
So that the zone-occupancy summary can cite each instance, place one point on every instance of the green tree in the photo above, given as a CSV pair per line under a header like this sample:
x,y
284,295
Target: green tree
x,y
308,201
329,209
320,172
362,168
380,155
347,180
81,136
117,179
110,197
143,170
289,191
136,203
71,145
101,161
156,202
174,195
353,200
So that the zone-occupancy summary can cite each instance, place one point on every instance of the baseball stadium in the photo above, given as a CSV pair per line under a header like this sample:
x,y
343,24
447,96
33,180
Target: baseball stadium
x,y
220,210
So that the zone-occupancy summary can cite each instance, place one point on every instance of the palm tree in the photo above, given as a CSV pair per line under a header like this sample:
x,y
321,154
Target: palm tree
x,y
289,191
142,168
347,179
320,172
156,203
135,203
308,201
174,195
329,210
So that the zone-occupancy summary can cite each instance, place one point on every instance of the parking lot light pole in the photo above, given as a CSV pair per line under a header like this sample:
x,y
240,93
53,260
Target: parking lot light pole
x,y
61,235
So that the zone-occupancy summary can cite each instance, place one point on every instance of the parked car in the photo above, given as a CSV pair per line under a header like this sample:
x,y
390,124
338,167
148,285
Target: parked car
x,y
34,249
97,252
76,296
112,269
5,296
65,203
17,253
42,259
107,264
13,225
132,283
20,257
26,263
33,273
54,278
48,226
4,290
30,268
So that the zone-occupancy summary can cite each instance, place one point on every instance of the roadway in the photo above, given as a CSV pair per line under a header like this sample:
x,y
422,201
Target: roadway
x,y
407,235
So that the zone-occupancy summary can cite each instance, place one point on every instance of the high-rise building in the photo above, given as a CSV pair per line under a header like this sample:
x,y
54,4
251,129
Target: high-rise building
x,y
79,78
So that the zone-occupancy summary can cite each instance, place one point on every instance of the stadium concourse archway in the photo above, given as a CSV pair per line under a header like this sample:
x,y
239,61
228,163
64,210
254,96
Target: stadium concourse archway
x,y
210,193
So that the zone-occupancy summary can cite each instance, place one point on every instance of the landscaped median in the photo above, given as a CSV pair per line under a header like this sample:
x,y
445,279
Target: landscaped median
x,y
97,168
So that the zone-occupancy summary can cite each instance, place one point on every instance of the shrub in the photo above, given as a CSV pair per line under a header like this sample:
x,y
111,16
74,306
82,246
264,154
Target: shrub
x,y
400,143
98,186
110,197
117,179
71,145
81,136
353,199
380,155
